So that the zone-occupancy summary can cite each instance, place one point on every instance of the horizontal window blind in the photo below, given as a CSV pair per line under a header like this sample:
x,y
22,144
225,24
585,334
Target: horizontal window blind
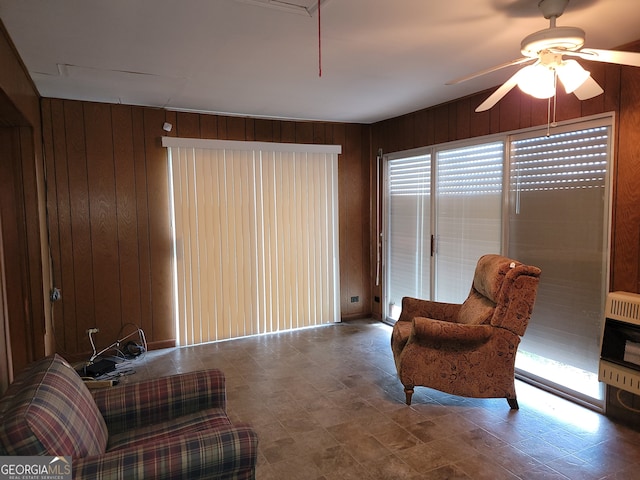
x,y
557,221
256,237
468,214
475,170
408,223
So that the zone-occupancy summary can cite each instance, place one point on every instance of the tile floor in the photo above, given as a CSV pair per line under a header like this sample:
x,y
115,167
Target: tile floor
x,y
326,405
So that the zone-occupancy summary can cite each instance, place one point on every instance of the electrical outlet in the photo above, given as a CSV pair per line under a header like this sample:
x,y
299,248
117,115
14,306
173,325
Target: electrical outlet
x,y
55,294
355,299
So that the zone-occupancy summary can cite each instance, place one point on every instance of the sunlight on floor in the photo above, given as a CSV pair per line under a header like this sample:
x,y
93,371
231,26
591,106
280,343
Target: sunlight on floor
x,y
572,378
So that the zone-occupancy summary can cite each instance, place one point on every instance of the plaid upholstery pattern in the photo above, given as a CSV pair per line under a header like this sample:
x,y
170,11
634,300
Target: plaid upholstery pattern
x,y
224,453
173,427
209,419
132,406
36,417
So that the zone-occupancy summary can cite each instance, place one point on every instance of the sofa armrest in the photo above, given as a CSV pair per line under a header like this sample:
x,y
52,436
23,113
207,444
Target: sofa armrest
x,y
416,307
137,404
226,452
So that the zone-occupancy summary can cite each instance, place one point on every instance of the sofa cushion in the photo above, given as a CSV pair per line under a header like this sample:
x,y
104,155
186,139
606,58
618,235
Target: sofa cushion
x,y
49,410
202,421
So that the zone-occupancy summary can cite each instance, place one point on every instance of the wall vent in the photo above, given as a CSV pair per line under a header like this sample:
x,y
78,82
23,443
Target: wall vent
x,y
624,306
620,377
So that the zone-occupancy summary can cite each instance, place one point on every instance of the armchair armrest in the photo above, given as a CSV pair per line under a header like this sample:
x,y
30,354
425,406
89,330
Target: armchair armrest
x,y
229,452
137,404
416,307
430,331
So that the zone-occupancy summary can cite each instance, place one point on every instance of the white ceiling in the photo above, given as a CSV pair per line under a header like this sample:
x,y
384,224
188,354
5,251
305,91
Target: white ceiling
x,y
380,58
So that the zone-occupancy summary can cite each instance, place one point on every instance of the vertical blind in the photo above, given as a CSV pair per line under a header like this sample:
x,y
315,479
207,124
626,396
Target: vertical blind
x,y
255,237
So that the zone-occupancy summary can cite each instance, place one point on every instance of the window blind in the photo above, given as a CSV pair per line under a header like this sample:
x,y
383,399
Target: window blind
x,y
255,237
468,214
558,221
408,223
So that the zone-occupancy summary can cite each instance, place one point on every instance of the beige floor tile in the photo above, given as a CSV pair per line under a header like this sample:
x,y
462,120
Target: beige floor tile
x,y
326,404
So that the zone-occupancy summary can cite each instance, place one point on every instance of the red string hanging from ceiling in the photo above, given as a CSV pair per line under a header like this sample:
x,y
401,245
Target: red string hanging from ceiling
x,y
319,43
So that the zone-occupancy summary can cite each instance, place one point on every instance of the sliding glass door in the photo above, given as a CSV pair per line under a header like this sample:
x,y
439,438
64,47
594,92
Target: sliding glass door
x,y
433,241
558,221
408,220
537,197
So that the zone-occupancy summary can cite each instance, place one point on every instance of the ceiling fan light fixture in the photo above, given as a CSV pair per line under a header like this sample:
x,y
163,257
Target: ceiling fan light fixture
x,y
556,38
537,80
572,75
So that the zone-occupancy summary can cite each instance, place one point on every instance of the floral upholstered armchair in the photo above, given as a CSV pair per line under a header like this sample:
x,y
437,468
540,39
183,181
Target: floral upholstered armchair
x,y
468,349
173,427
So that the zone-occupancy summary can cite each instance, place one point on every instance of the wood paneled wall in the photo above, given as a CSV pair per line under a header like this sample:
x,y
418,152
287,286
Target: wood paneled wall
x,y
107,200
24,316
457,120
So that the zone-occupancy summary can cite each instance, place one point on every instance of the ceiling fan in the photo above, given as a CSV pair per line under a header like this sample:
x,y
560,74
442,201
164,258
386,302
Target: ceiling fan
x,y
544,52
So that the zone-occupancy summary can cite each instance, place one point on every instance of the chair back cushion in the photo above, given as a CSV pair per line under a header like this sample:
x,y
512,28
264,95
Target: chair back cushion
x,y
48,410
476,309
489,275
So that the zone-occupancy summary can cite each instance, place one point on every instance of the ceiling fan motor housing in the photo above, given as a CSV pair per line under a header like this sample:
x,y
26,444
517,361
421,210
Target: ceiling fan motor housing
x,y
554,38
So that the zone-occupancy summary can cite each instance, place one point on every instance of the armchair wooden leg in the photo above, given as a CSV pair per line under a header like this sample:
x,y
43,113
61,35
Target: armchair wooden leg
x,y
408,391
513,403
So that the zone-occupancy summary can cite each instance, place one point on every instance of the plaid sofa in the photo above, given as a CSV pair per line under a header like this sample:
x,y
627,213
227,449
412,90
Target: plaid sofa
x,y
171,427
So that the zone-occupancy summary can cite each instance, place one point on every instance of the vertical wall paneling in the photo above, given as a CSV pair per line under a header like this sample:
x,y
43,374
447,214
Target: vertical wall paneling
x,y
159,227
463,119
352,199
287,131
236,128
304,132
263,130
626,262
209,126
479,123
80,248
366,275
339,136
188,125
51,208
11,214
142,245
31,192
126,215
441,124
60,230
103,221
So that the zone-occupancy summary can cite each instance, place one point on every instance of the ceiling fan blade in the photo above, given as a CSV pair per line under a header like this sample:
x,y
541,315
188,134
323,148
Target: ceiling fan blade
x,y
518,61
588,89
496,96
608,56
